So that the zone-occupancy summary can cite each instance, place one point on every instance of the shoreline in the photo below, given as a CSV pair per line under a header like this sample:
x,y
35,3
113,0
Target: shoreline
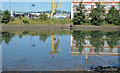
x,y
60,27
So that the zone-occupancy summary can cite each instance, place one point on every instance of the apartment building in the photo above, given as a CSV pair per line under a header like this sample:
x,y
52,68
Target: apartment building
x,y
90,4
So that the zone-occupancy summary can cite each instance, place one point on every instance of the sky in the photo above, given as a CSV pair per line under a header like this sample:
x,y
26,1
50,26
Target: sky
x,y
33,0
26,5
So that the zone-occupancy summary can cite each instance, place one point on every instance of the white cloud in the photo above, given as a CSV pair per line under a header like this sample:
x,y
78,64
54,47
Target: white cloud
x,y
33,0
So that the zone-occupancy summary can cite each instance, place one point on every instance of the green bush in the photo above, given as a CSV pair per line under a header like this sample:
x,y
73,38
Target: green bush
x,y
43,16
20,16
12,19
79,17
6,17
113,16
97,14
0,15
25,32
87,21
25,21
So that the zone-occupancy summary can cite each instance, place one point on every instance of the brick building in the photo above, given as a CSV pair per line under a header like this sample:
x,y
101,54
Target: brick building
x,y
90,4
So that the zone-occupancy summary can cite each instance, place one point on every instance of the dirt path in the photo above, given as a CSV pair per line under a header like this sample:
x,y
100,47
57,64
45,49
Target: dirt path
x,y
59,27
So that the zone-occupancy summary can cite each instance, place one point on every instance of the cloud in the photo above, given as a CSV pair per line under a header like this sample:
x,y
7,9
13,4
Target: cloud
x,y
33,0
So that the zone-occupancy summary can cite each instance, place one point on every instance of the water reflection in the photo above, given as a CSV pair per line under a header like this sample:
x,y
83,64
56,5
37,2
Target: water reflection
x,y
50,51
95,43
55,46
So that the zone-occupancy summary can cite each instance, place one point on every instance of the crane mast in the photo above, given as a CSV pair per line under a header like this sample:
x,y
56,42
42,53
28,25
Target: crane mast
x,y
53,6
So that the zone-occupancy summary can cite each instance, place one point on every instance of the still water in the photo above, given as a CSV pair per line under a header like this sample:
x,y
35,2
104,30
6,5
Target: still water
x,y
76,50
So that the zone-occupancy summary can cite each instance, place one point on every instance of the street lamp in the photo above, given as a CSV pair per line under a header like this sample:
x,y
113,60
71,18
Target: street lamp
x,y
33,5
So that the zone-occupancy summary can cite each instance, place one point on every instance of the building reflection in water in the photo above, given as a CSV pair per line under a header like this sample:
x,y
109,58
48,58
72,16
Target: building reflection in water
x,y
88,49
55,46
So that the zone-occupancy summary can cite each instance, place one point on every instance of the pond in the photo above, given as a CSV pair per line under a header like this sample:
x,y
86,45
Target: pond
x,y
56,51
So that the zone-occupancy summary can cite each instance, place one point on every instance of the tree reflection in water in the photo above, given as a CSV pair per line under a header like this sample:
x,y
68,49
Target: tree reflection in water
x,y
96,39
6,36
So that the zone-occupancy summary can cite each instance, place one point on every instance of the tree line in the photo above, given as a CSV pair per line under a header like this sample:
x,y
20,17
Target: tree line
x,y
97,16
6,17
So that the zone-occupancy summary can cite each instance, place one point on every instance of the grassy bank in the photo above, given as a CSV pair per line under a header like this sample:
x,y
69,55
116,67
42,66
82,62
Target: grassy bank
x,y
32,21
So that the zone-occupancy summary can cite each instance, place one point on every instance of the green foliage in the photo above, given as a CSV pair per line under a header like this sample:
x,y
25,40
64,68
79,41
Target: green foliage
x,y
87,21
96,39
0,16
97,14
79,17
25,32
6,17
113,16
20,16
25,21
12,19
6,36
43,16
43,37
112,39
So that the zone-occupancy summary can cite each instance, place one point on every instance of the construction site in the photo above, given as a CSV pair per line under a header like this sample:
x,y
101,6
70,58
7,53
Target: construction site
x,y
54,13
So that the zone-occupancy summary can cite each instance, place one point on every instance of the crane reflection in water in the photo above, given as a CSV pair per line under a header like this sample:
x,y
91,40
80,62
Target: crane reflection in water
x,y
55,46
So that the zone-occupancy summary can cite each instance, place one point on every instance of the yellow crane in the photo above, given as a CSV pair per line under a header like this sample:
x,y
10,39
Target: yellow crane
x,y
54,8
55,46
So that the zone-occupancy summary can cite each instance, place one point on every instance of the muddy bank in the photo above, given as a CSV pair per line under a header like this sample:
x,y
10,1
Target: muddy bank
x,y
59,27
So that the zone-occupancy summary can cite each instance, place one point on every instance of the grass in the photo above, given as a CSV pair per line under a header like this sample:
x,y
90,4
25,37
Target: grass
x,y
49,21
40,22
35,32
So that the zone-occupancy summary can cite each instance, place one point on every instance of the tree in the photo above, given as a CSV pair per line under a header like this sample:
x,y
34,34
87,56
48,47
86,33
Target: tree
x,y
97,14
6,17
6,36
112,38
43,16
79,17
43,37
0,16
113,16
96,40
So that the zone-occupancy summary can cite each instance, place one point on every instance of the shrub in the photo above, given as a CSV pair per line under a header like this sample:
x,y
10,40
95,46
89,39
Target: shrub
x,y
113,16
0,16
25,32
97,14
6,17
43,16
87,21
79,17
25,21
20,16
12,19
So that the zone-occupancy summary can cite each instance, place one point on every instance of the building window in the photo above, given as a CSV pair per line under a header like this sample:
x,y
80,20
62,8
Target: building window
x,y
79,0
87,6
107,0
86,50
75,6
117,0
74,49
74,43
106,50
117,6
87,0
97,0
107,6
115,50
74,13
